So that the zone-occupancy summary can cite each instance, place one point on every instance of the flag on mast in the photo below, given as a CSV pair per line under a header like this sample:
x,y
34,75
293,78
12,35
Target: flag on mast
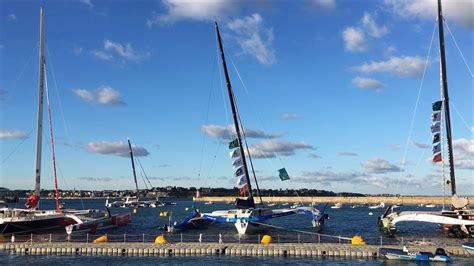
x,y
283,174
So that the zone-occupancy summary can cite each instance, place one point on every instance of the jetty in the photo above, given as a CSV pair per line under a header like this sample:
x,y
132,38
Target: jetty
x,y
218,249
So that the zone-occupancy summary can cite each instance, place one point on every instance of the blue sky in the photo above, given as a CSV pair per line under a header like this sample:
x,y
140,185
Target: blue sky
x,y
330,92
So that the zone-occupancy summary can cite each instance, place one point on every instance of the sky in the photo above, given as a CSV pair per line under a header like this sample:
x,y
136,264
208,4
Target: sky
x,y
338,92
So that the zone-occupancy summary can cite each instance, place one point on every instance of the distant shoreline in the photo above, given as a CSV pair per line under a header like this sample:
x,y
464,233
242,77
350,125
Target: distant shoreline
x,y
345,200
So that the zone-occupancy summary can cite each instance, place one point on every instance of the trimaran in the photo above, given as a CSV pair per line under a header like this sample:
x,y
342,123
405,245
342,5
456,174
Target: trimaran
x,y
459,220
246,217
33,220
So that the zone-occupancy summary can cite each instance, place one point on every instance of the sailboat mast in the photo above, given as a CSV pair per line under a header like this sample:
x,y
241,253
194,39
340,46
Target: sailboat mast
x,y
133,166
234,110
444,86
39,132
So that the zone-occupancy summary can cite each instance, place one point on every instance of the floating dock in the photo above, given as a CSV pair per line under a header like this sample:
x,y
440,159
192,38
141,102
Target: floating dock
x,y
222,249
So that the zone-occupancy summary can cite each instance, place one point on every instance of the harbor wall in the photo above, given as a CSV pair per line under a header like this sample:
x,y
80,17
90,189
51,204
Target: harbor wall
x,y
344,200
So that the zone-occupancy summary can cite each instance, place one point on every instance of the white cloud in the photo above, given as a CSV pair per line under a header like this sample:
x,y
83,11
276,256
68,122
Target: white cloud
x,y
97,179
102,55
372,28
378,165
290,116
87,3
464,145
354,39
460,11
314,155
77,50
403,66
12,17
115,148
104,95
12,134
367,83
324,4
253,38
124,50
271,148
193,10
228,133
347,153
328,177
420,145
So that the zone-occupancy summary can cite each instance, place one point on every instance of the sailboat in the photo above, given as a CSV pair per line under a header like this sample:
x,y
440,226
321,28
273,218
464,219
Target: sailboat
x,y
247,216
135,201
459,220
33,220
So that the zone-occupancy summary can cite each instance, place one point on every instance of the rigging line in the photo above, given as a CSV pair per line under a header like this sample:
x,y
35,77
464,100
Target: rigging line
x,y
460,116
259,118
17,146
207,116
28,61
143,170
420,159
301,231
222,90
416,105
459,49
52,139
57,91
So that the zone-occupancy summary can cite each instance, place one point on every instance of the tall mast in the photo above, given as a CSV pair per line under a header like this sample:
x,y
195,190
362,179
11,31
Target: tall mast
x,y
444,86
39,132
133,165
234,110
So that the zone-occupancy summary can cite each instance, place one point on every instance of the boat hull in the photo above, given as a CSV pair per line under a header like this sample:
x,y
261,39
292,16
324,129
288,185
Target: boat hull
x,y
36,226
469,247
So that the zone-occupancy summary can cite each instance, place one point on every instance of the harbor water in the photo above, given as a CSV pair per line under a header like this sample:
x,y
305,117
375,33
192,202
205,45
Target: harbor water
x,y
344,222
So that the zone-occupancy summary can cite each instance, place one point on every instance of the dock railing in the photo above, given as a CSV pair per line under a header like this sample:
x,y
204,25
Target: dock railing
x,y
224,238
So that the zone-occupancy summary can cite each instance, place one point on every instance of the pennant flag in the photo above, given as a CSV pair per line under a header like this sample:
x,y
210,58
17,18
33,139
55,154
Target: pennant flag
x,y
239,171
237,163
437,158
243,190
436,138
283,174
437,105
436,117
234,144
235,153
241,181
435,128
437,148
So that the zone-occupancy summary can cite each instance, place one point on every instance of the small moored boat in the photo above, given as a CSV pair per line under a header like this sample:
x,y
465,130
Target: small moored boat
x,y
469,247
404,254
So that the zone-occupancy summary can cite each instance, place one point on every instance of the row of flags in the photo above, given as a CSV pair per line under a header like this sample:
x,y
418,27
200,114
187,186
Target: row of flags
x,y
238,167
239,173
436,131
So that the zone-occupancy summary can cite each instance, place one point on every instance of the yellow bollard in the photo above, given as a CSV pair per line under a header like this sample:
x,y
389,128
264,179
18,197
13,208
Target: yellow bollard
x,y
135,210
160,240
266,239
357,240
100,239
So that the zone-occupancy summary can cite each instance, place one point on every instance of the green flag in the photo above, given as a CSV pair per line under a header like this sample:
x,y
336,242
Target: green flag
x,y
234,144
283,174
437,105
